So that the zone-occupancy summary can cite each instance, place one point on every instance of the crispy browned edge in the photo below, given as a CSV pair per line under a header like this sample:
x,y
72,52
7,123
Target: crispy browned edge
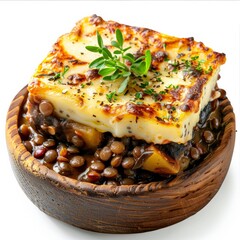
x,y
176,199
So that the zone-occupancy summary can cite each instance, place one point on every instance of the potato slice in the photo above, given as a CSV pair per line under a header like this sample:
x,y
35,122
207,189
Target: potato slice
x,y
159,162
89,135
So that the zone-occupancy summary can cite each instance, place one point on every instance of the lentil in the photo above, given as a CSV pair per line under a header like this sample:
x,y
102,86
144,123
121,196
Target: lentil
x,y
129,172
117,147
49,143
72,149
35,99
215,123
202,148
137,151
110,172
39,153
64,168
93,175
127,181
77,161
24,130
105,154
97,153
111,182
84,178
38,139
46,108
28,145
128,162
97,166
77,141
116,161
62,159
208,136
50,156
51,130
194,152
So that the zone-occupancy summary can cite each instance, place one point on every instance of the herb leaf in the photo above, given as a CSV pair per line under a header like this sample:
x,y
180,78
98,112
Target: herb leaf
x,y
119,37
97,62
115,44
195,57
106,71
138,95
56,76
93,48
66,68
148,61
59,75
123,85
106,53
210,69
100,41
138,68
114,76
111,96
129,57
117,52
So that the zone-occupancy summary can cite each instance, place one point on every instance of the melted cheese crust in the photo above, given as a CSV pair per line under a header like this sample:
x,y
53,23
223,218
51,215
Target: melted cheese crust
x,y
183,75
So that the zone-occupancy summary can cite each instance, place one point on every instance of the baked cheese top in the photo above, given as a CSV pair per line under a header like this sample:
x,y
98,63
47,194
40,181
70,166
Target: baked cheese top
x,y
160,107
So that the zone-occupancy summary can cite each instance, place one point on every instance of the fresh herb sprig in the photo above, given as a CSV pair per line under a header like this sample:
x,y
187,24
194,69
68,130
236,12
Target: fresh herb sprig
x,y
115,66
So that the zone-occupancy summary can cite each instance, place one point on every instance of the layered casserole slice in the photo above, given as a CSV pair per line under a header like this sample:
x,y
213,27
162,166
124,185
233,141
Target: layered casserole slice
x,y
160,107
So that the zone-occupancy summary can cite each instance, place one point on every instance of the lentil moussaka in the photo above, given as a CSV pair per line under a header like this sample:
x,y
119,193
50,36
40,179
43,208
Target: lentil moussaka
x,y
115,104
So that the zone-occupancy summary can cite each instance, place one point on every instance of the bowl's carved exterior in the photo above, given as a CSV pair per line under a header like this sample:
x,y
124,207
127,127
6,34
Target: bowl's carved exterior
x,y
119,209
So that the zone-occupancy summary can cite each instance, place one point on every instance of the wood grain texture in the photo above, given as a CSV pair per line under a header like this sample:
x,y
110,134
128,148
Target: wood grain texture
x,y
119,209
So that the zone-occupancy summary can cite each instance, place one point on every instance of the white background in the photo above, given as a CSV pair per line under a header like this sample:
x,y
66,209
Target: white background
x,y
27,32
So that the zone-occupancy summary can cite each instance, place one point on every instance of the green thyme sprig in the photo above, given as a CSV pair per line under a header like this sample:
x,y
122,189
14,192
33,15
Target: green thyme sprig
x,y
119,64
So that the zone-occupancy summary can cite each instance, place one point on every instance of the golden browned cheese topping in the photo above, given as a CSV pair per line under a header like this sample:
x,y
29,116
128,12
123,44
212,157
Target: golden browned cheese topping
x,y
160,107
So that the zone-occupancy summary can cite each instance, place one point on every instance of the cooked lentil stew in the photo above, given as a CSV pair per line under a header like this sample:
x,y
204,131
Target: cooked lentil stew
x,y
57,144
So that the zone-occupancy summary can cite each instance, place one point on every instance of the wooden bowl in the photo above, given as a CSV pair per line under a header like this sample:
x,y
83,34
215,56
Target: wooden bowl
x,y
119,209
